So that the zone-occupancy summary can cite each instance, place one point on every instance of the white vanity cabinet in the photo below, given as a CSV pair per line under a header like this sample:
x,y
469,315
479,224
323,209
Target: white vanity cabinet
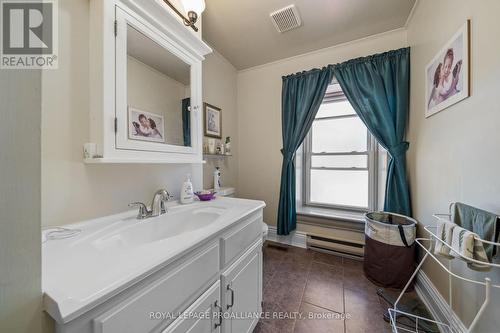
x,y
202,316
242,286
214,286
144,64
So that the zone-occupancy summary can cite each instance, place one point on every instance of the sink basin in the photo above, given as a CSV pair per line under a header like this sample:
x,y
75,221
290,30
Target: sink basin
x,y
159,228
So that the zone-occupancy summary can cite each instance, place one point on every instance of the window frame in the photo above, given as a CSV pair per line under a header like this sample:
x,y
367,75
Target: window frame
x,y
372,164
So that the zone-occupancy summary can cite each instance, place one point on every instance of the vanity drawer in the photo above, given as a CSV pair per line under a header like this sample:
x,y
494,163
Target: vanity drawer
x,y
239,239
164,295
199,317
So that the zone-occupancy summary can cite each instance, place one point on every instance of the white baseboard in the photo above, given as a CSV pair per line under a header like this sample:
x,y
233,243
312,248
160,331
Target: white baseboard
x,y
436,304
296,238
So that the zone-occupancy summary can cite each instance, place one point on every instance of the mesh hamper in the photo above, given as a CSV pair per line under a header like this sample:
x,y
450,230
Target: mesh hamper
x,y
389,259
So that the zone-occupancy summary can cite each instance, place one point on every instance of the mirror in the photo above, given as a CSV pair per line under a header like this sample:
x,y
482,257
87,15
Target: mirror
x,y
158,91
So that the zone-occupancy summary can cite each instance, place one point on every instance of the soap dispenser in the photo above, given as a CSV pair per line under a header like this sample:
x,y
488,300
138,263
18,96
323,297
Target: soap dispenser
x,y
217,179
187,191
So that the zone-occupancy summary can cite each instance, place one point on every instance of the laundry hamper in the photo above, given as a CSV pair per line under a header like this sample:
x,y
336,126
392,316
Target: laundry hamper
x,y
389,259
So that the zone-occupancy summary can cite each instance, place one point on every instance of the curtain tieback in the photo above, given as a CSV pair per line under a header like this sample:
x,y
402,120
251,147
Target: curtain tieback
x,y
399,150
287,156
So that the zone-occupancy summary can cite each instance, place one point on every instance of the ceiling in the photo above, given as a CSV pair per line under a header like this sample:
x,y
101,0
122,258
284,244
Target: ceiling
x,y
242,31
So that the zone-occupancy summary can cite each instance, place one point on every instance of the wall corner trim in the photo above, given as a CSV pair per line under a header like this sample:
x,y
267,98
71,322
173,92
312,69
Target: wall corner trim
x,y
436,304
412,12
296,238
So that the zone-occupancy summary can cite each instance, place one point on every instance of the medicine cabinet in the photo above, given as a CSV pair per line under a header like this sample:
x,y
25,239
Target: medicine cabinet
x,y
145,84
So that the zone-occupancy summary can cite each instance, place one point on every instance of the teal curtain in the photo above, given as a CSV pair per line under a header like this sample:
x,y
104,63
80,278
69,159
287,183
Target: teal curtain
x,y
378,89
186,122
301,98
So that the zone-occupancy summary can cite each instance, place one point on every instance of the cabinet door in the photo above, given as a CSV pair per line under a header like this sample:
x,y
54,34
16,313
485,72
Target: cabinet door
x,y
242,292
154,81
202,316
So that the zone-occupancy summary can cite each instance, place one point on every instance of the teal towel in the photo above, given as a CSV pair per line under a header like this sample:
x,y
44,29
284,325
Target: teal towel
x,y
479,221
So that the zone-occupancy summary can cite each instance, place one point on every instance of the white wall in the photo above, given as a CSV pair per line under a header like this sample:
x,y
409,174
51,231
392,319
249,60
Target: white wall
x,y
20,269
454,155
219,89
259,114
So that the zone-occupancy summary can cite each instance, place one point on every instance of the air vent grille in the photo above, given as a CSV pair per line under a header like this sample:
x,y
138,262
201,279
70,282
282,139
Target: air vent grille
x,y
286,18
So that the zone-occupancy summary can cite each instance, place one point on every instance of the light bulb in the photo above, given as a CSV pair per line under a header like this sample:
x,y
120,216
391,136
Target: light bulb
x,y
197,6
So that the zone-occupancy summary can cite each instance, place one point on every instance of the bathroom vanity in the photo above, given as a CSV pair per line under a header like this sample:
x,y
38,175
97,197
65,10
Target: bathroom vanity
x,y
197,268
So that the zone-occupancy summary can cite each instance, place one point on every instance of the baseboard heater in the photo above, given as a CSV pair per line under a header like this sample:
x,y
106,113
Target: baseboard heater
x,y
339,247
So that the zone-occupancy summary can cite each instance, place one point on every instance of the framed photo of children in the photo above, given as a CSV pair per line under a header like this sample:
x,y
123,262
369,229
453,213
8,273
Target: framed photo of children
x,y
212,121
145,126
447,75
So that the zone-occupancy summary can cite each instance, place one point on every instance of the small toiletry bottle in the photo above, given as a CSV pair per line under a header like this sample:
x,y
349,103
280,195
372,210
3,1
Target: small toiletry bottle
x,y
216,179
211,146
228,145
222,148
187,191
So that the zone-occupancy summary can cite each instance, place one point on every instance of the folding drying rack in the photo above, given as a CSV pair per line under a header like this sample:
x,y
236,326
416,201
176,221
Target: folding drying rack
x,y
394,313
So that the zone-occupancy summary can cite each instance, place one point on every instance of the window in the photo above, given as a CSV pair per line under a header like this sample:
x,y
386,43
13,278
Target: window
x,y
339,158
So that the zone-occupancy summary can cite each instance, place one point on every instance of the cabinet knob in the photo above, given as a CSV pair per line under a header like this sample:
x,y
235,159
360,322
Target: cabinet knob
x,y
232,297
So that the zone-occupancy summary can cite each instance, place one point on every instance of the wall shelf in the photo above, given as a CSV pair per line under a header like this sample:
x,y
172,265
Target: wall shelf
x,y
215,156
132,161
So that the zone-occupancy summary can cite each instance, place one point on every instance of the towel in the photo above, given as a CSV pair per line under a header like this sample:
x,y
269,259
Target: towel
x,y
481,222
465,246
445,233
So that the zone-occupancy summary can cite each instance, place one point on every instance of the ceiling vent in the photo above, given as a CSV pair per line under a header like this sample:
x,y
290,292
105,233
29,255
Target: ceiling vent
x,y
286,18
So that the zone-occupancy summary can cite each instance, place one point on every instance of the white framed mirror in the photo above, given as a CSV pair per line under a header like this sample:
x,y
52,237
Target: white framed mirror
x,y
145,70
154,89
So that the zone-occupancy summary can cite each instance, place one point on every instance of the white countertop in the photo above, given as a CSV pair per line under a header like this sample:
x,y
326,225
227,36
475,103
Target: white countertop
x,y
114,252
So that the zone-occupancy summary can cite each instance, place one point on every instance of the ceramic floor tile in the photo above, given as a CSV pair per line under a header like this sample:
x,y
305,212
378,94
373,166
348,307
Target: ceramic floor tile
x,y
318,320
326,271
298,279
365,315
326,258
324,287
352,265
355,279
267,277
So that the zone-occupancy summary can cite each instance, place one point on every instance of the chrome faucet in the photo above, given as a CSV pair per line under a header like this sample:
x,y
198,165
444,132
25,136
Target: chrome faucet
x,y
158,206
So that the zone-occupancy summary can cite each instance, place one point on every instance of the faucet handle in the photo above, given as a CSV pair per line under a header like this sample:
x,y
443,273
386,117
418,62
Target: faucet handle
x,y
166,198
143,210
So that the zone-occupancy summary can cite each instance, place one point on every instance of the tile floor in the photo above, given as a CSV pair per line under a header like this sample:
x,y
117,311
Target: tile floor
x,y
321,285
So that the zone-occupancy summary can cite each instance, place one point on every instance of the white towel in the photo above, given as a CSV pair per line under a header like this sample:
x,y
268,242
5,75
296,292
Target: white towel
x,y
462,243
445,233
466,247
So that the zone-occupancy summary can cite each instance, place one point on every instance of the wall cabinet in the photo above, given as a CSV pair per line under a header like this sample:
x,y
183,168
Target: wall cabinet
x,y
146,85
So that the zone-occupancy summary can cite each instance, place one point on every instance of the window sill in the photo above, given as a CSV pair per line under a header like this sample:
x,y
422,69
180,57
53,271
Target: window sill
x,y
331,217
334,214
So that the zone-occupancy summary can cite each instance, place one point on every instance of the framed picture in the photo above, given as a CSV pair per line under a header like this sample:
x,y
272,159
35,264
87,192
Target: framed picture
x,y
213,121
145,126
447,75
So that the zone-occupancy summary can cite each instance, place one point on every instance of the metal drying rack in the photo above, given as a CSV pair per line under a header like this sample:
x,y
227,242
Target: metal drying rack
x,y
419,321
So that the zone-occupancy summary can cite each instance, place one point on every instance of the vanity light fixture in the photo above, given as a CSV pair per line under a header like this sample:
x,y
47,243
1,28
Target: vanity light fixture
x,y
193,8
